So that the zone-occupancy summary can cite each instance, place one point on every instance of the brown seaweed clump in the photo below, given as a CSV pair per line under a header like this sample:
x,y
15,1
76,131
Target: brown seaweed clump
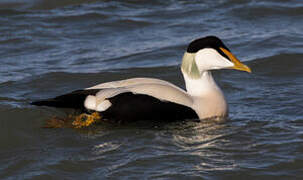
x,y
72,121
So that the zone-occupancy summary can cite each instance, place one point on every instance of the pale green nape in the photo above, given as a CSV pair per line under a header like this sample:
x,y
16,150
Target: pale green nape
x,y
189,65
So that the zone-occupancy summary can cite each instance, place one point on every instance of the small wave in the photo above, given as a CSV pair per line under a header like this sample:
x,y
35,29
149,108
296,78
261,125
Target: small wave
x,y
53,4
105,148
11,12
266,9
130,22
79,17
16,40
279,65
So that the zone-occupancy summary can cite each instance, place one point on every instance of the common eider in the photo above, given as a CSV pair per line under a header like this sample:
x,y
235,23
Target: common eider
x,y
154,99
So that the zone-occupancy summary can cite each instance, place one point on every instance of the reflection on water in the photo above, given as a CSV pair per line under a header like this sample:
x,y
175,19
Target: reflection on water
x,y
204,141
196,144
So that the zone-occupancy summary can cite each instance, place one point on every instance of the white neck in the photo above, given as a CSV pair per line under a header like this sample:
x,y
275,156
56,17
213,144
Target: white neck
x,y
209,100
201,86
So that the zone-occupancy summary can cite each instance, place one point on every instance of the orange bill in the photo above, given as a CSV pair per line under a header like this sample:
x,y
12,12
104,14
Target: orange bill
x,y
237,64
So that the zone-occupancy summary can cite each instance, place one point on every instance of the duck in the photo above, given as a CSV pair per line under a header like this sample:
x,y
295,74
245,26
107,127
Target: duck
x,y
147,99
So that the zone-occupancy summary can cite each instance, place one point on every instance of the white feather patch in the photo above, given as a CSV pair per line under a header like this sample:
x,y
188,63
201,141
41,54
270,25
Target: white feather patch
x,y
90,102
104,105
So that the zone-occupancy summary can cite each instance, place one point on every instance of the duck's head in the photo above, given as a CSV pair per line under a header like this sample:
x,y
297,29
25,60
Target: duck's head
x,y
209,53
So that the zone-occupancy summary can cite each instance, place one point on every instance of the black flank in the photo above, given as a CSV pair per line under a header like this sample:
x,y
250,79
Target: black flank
x,y
127,107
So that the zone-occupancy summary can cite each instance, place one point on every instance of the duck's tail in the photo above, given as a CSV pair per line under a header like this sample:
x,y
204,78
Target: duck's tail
x,y
73,100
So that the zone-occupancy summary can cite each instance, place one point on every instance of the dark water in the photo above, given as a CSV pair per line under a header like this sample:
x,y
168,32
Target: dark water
x,y
49,47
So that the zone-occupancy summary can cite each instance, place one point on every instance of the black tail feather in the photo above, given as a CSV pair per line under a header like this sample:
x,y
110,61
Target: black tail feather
x,y
74,99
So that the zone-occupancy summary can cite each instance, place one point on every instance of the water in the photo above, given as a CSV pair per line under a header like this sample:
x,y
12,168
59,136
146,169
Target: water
x,y
50,47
